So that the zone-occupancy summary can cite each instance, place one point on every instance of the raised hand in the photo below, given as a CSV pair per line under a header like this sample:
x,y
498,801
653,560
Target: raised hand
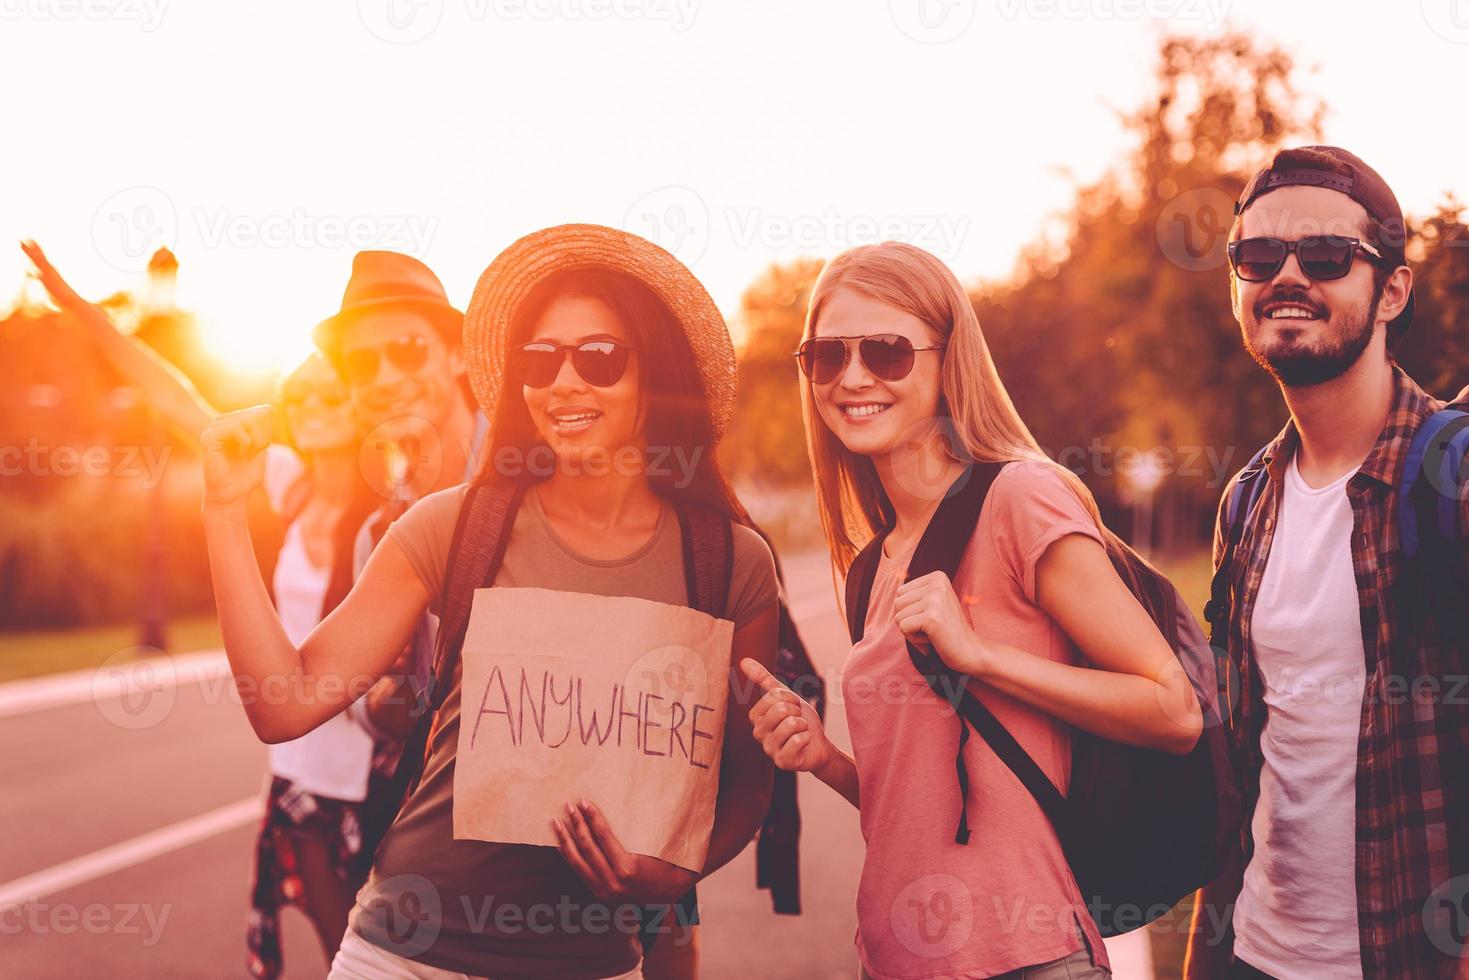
x,y
58,288
234,455
786,726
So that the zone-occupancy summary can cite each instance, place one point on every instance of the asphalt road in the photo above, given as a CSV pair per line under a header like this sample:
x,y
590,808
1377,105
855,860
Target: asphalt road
x,y
129,824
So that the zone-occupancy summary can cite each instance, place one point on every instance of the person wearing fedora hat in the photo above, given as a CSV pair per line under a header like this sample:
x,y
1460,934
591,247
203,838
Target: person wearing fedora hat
x,y
607,375
1356,800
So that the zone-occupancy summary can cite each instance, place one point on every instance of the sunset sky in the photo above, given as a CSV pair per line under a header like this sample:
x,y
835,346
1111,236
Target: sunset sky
x,y
266,143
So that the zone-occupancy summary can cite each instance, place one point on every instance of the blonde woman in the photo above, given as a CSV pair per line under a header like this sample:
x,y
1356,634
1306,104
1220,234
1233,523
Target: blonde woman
x,y
900,395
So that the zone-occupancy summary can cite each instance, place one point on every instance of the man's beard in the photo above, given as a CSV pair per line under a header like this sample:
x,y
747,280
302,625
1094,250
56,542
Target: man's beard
x,y
1296,365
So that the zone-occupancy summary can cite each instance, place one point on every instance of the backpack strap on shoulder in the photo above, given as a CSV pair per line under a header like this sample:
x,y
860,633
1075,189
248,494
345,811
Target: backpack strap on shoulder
x,y
859,584
1244,494
708,552
1435,459
1430,506
475,553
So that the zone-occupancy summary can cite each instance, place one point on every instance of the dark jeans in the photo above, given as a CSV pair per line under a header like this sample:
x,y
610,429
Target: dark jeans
x,y
1240,970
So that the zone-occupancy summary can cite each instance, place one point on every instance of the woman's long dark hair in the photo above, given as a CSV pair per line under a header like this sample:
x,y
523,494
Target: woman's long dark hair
x,y
673,404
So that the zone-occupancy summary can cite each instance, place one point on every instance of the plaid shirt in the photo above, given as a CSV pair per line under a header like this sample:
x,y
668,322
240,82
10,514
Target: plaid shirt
x,y
1412,822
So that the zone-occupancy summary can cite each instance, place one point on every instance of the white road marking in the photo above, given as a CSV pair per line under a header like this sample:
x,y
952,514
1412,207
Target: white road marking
x,y
117,857
109,680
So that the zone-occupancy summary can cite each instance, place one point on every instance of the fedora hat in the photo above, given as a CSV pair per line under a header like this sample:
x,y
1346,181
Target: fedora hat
x,y
389,279
518,269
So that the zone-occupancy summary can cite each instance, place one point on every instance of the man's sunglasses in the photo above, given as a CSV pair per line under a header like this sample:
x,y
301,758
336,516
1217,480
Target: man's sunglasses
x,y
600,363
1322,258
888,356
408,353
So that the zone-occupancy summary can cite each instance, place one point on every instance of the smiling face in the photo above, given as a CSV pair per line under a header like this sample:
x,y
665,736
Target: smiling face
x,y
398,366
575,418
318,408
1302,331
871,416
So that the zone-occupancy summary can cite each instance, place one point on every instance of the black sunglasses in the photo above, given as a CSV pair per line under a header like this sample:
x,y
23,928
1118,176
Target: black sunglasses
x,y
408,353
1322,258
600,363
888,356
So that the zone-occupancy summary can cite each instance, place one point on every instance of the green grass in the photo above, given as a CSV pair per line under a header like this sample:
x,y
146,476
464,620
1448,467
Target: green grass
x,y
33,653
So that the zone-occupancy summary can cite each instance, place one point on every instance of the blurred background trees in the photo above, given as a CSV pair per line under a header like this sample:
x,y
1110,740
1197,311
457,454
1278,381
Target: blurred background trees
x,y
1114,335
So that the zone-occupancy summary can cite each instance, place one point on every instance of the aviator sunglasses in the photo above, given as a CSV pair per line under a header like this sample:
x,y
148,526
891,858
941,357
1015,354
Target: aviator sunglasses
x,y
1322,258
600,363
887,356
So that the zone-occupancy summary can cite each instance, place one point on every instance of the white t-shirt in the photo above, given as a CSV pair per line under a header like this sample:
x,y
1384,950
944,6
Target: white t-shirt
x,y
334,759
1296,918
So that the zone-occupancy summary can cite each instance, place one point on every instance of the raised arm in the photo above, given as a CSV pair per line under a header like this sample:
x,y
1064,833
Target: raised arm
x,y
165,389
288,691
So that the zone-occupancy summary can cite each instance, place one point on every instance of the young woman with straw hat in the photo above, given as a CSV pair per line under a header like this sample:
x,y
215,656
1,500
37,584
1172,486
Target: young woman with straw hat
x,y
590,350
901,397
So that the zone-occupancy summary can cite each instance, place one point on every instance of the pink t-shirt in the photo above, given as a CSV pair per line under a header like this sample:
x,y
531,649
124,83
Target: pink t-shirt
x,y
926,906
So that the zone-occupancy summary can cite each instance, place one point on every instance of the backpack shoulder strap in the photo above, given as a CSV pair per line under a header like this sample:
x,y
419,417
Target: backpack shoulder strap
x,y
859,584
475,553
708,552
1431,531
1244,493
1436,460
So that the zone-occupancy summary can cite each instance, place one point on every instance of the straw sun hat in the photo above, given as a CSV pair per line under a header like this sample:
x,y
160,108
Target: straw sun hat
x,y
518,269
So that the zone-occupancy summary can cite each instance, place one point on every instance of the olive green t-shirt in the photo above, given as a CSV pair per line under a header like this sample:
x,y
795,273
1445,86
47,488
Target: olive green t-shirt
x,y
516,909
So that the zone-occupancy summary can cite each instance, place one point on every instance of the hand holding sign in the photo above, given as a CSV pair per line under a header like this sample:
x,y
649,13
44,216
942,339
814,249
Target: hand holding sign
x,y
787,727
595,853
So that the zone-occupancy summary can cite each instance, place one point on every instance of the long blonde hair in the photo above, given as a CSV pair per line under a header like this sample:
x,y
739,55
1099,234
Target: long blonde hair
x,y
981,419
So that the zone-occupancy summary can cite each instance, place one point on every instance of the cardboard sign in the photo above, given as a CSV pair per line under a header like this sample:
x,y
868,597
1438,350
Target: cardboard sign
x,y
568,696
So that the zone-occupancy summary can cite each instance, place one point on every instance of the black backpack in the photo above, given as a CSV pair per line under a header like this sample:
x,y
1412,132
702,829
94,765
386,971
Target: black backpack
x,y
1140,828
